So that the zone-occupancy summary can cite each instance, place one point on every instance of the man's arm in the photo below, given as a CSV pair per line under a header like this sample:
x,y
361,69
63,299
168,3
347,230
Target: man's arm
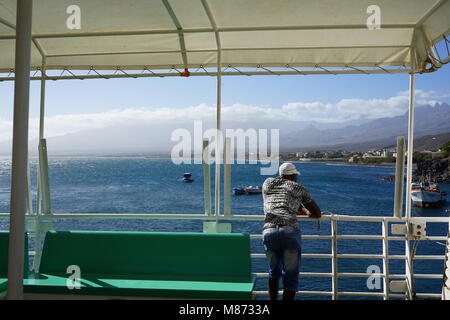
x,y
313,209
302,211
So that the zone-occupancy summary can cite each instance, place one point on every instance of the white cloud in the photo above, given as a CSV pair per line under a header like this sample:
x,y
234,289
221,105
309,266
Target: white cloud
x,y
431,94
344,110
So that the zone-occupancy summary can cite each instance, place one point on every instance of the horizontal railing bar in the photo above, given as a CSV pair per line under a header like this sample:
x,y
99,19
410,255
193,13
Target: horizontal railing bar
x,y
428,295
397,257
436,238
398,238
320,237
362,237
357,256
355,275
429,257
397,295
326,293
359,275
312,293
362,294
304,255
399,276
396,276
301,274
229,217
304,237
432,238
357,236
428,276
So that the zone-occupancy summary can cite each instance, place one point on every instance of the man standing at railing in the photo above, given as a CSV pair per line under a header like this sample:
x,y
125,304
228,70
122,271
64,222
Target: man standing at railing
x,y
284,199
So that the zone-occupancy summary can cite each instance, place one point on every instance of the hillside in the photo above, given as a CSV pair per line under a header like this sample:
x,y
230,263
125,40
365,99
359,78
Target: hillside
x,y
431,142
430,120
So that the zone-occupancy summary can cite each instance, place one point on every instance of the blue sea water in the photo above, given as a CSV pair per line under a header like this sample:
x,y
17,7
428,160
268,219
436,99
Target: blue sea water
x,y
143,185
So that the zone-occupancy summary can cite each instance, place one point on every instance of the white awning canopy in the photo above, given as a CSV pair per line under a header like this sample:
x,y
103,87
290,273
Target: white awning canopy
x,y
167,34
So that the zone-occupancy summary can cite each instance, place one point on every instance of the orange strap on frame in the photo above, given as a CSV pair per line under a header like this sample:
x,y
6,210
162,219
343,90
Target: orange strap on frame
x,y
185,73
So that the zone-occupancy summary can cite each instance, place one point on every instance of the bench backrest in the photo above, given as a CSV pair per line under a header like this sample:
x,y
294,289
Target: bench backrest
x,y
155,255
4,248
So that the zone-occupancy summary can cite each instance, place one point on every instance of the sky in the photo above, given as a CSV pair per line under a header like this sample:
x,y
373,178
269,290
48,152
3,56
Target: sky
x,y
73,105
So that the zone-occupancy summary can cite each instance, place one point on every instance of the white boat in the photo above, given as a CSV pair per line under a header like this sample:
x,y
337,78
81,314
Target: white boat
x,y
427,195
250,190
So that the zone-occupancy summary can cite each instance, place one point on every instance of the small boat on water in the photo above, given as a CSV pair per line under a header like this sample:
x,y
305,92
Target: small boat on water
x,y
426,194
187,177
250,190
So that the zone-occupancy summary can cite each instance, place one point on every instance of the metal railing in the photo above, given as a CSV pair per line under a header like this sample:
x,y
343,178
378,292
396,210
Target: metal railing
x,y
334,255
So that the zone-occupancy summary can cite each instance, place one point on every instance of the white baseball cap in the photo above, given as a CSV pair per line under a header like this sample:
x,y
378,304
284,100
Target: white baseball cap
x,y
287,169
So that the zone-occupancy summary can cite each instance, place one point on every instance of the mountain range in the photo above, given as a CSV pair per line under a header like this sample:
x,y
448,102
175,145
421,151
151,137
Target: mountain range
x,y
429,120
155,138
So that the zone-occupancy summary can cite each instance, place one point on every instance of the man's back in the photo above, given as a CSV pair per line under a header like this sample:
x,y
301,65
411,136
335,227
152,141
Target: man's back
x,y
282,199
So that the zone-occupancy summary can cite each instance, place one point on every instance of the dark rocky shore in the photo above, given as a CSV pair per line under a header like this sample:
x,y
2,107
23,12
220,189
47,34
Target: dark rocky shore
x,y
437,169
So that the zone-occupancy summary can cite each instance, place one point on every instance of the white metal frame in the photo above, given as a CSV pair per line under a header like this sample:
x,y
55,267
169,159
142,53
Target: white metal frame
x,y
147,72
19,192
19,171
218,149
334,255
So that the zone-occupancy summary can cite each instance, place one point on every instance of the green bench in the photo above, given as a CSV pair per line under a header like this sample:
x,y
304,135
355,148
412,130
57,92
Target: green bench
x,y
4,244
168,265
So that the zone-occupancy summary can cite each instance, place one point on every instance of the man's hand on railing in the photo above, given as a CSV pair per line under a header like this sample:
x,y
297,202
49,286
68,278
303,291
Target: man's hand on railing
x,y
303,212
313,209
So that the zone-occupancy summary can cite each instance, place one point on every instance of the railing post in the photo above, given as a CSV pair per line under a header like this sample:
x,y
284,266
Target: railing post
x,y
41,227
409,271
385,234
446,284
399,177
29,200
334,264
43,177
206,177
227,177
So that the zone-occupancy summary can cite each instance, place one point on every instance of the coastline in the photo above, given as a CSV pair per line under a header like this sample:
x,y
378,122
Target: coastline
x,y
349,164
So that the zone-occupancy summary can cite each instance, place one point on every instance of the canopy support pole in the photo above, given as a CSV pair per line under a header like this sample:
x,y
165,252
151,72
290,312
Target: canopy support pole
x,y
177,24
409,269
20,150
217,152
41,133
410,146
42,105
218,138
43,184
43,201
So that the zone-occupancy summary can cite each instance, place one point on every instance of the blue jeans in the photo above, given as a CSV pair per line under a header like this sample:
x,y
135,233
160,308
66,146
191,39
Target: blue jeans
x,y
283,251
